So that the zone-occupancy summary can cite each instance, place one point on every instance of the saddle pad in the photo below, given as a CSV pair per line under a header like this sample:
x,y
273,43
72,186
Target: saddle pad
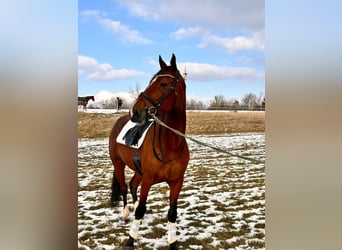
x,y
121,137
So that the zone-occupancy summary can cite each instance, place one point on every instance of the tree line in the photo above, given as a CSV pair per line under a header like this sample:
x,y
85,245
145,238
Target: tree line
x,y
249,101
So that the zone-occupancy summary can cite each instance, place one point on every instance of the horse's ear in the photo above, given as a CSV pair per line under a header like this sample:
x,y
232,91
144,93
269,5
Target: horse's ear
x,y
173,62
162,63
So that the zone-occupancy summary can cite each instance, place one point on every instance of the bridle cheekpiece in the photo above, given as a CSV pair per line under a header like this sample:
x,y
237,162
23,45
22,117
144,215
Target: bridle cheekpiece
x,y
157,104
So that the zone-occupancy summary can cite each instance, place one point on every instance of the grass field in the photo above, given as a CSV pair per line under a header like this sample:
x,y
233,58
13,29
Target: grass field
x,y
95,125
222,202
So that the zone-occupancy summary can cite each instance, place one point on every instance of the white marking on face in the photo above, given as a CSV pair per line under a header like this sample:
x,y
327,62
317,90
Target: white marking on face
x,y
157,76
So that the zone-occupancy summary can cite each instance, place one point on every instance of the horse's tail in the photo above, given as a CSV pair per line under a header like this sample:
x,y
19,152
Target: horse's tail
x,y
116,193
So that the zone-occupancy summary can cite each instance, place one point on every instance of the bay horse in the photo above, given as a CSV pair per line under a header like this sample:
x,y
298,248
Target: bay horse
x,y
84,101
163,156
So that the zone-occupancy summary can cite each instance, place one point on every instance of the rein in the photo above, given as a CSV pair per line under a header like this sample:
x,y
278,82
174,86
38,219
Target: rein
x,y
162,157
153,111
202,143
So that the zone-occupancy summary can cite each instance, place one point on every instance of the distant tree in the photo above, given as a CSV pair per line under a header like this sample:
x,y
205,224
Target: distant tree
x,y
109,104
194,105
112,103
260,98
249,101
219,102
135,92
235,105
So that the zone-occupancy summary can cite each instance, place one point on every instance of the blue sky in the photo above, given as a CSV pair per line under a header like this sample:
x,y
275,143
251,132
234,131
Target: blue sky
x,y
220,43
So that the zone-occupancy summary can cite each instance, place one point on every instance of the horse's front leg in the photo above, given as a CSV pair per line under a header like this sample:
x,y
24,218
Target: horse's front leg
x,y
133,186
139,214
175,188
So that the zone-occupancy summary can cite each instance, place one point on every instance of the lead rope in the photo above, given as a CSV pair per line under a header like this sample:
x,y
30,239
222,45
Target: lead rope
x,y
202,143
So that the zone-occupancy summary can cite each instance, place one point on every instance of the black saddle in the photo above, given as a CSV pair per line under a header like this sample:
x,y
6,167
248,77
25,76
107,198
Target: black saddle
x,y
133,135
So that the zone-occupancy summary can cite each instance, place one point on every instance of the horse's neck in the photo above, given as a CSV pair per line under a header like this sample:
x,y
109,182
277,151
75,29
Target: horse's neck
x,y
175,120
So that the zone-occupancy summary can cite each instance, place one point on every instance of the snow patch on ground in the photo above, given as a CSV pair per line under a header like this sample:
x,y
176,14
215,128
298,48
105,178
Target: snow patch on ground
x,y
221,205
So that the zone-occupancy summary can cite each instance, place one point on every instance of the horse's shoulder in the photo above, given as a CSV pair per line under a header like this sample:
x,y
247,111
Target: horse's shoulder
x,y
123,119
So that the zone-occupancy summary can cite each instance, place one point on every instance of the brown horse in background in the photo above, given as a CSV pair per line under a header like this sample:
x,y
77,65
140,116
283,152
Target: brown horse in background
x,y
84,101
163,155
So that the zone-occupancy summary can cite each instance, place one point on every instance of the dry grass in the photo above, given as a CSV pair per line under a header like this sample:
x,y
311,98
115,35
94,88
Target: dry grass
x,y
91,125
95,125
224,122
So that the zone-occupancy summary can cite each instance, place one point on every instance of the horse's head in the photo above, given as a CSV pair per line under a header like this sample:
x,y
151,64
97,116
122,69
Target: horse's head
x,y
165,93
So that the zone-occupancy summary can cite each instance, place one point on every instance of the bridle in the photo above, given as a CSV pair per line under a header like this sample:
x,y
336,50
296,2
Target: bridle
x,y
157,104
154,109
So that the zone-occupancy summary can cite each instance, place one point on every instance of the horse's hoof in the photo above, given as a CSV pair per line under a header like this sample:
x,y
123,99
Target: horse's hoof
x,y
113,204
173,246
129,244
128,248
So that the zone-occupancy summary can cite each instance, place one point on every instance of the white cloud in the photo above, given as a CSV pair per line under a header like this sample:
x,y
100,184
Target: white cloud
x,y
93,70
234,44
210,72
123,32
85,62
184,33
87,14
246,14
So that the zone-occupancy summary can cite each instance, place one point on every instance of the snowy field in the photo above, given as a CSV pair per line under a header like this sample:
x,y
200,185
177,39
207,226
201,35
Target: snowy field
x,y
221,205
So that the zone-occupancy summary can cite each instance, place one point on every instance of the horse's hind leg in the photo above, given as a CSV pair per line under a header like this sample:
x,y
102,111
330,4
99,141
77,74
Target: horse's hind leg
x,y
115,195
119,186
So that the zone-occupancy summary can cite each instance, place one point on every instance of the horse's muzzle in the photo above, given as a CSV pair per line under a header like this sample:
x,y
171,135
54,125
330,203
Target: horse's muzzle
x,y
138,116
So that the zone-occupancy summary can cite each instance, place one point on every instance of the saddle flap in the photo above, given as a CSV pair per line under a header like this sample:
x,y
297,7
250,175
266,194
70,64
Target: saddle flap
x,y
133,134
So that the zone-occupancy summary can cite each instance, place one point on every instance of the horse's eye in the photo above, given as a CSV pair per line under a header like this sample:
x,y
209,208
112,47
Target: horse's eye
x,y
163,84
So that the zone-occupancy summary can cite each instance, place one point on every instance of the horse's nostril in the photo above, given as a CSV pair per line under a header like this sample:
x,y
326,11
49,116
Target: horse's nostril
x,y
135,115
